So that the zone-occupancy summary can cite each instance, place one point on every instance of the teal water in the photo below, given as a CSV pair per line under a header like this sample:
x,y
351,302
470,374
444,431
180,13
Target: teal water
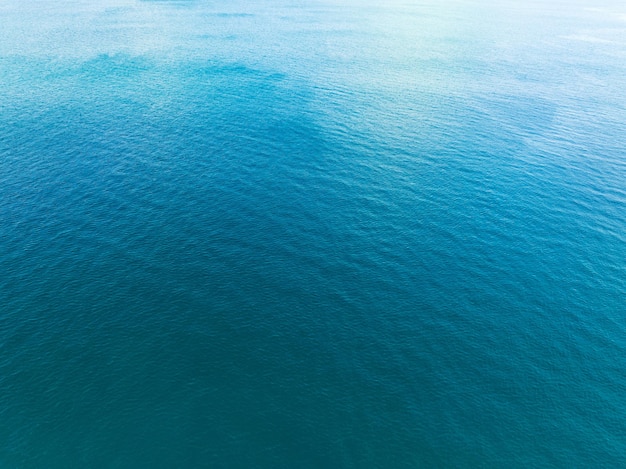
x,y
312,234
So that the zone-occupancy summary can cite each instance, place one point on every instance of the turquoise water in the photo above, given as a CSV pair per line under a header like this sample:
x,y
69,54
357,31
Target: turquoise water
x,y
312,234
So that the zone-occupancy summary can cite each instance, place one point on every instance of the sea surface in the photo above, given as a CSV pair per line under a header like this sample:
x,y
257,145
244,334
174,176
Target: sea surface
x,y
312,234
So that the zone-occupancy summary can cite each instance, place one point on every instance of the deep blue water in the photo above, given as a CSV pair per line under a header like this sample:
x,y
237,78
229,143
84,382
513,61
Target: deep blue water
x,y
312,234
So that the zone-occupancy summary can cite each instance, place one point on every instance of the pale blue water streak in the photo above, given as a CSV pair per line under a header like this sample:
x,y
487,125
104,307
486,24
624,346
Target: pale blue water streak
x,y
312,234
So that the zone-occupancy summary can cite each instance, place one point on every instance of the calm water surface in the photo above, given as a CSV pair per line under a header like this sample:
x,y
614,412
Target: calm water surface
x,y
312,234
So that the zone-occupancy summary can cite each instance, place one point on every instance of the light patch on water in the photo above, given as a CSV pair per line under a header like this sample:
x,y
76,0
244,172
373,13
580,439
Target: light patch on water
x,y
587,38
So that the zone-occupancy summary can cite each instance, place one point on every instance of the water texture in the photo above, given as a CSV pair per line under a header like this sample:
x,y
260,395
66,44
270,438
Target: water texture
x,y
312,234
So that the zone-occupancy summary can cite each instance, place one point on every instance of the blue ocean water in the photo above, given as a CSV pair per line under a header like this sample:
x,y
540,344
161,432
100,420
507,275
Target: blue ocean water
x,y
312,234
